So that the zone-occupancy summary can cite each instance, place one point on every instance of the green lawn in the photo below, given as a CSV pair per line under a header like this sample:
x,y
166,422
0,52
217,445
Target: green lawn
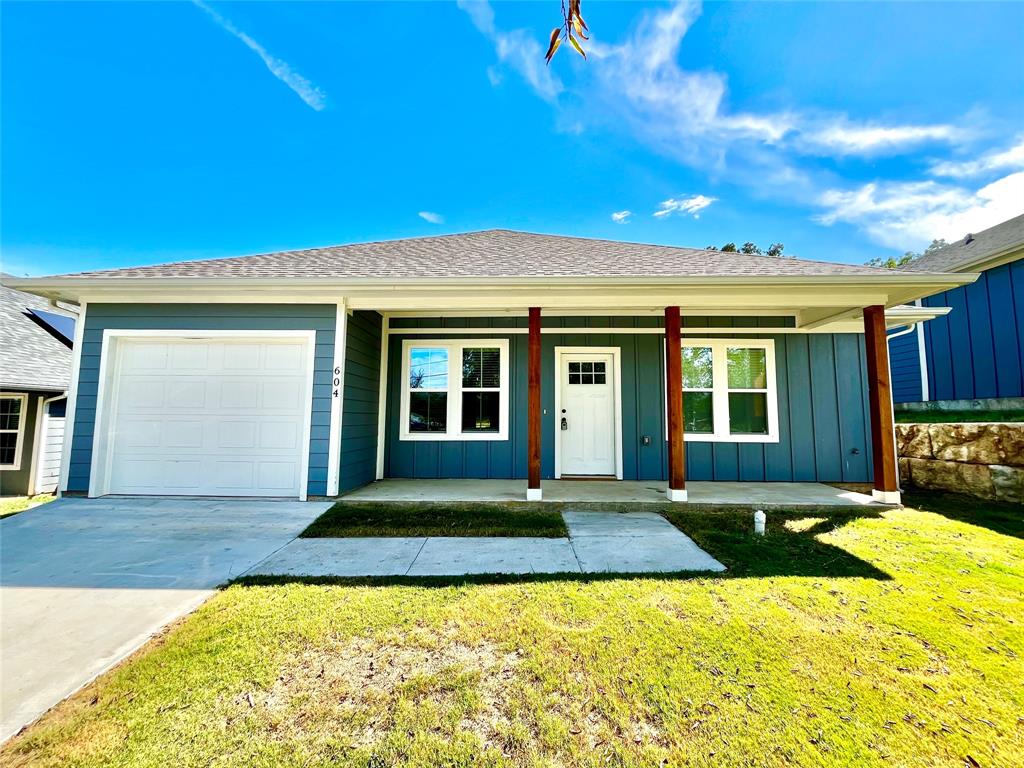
x,y
12,505
956,417
880,640
401,519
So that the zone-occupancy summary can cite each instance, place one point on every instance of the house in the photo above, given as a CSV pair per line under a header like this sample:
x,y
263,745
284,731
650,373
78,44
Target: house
x,y
976,352
493,354
35,367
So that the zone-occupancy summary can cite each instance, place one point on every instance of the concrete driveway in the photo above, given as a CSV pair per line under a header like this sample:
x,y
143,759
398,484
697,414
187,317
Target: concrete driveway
x,y
85,582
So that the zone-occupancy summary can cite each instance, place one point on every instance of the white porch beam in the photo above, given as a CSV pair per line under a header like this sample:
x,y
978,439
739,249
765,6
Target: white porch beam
x,y
337,399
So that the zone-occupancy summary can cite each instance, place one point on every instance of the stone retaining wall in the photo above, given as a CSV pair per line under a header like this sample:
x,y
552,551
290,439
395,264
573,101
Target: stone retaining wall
x,y
983,460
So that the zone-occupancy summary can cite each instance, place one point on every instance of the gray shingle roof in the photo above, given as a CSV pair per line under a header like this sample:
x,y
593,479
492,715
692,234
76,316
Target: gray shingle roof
x,y
30,357
489,254
991,242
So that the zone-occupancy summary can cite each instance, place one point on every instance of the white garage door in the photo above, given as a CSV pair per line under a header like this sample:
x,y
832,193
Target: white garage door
x,y
212,417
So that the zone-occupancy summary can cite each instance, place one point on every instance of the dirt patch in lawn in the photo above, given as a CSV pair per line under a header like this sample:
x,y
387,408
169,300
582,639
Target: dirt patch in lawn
x,y
352,687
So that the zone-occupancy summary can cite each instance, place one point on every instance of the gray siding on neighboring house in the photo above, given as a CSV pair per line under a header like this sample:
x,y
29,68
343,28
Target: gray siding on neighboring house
x,y
198,317
822,398
362,392
15,482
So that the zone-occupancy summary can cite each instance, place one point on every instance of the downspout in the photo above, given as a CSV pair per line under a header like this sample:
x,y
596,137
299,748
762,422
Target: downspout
x,y
922,356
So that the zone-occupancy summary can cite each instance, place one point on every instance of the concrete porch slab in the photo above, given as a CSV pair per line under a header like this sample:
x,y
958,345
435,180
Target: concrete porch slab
x,y
610,493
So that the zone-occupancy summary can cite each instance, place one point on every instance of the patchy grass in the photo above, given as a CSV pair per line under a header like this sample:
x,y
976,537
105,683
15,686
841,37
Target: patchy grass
x,y
956,417
400,519
12,505
880,640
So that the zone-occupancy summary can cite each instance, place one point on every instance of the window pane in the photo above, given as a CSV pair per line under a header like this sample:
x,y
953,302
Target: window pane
x,y
8,444
10,413
428,411
698,415
574,378
747,368
599,378
748,413
574,367
428,368
697,368
598,367
481,367
480,411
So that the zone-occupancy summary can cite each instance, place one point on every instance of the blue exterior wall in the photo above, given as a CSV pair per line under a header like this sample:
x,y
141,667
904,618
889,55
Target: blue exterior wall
x,y
905,367
362,393
822,397
196,317
977,350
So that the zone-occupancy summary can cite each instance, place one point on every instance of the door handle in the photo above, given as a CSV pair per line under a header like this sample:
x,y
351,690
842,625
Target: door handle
x,y
565,424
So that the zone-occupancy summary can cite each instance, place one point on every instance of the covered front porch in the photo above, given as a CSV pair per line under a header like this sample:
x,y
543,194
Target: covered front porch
x,y
624,494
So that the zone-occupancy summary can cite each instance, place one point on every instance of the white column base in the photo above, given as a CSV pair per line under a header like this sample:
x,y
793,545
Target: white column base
x,y
534,494
675,494
886,497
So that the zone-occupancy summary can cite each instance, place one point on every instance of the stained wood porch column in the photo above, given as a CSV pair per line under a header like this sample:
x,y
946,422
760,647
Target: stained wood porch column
x,y
533,491
883,433
674,396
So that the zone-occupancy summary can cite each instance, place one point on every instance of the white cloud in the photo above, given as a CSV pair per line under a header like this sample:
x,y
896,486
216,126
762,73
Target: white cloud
x,y
840,137
1000,160
911,214
433,218
621,217
518,49
686,205
303,88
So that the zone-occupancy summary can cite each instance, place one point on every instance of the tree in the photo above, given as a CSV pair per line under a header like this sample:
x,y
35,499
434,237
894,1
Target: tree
x,y
775,249
573,29
895,262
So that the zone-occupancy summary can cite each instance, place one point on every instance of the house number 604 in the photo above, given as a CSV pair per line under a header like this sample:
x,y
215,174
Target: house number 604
x,y
337,380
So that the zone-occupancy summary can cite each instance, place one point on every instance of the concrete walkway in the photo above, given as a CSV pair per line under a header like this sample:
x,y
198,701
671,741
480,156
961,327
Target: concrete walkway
x,y
85,582
599,542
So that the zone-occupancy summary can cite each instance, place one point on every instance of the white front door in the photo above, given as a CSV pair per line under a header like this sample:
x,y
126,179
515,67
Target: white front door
x,y
216,417
586,418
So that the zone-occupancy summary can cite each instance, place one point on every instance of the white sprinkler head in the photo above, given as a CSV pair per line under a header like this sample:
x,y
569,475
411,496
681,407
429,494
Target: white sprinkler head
x,y
759,521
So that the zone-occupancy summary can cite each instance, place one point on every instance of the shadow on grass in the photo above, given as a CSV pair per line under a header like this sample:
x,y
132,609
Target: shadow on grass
x,y
348,519
1002,517
790,547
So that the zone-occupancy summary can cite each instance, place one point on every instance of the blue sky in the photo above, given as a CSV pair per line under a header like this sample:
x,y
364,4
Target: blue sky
x,y
149,132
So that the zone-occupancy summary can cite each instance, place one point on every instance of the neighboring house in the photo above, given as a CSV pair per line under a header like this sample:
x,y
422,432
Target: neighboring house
x,y
977,350
491,354
35,366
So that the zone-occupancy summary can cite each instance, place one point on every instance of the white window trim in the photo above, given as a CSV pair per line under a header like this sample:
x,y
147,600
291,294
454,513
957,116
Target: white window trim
x,y
455,347
20,441
720,391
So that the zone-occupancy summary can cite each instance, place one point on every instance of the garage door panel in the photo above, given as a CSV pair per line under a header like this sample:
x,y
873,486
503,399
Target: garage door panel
x,y
144,356
190,357
200,426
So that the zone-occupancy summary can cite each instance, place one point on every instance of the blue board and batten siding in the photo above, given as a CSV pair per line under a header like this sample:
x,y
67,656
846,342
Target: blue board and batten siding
x,y
977,350
362,395
824,433
199,317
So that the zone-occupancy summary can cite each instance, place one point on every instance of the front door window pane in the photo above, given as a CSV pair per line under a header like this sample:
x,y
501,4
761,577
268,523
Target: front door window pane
x,y
748,413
